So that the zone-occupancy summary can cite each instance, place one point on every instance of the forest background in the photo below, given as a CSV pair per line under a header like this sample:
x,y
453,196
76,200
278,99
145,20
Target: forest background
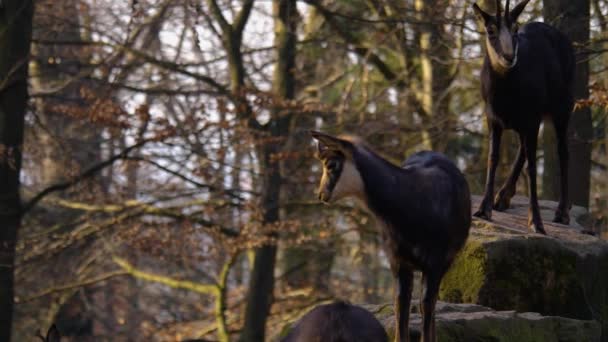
x,y
167,175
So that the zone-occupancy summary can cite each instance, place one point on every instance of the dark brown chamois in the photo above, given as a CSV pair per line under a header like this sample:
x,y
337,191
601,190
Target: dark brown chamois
x,y
527,75
423,207
337,322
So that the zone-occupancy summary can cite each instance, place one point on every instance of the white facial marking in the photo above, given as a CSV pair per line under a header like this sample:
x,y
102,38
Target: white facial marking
x,y
499,63
350,183
324,178
506,41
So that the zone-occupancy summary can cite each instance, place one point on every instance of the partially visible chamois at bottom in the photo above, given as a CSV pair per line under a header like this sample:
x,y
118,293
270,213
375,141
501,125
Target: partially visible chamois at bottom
x,y
424,211
337,322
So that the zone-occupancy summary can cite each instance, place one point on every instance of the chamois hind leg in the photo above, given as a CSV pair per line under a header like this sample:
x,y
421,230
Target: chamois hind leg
x,y
485,209
503,198
431,283
535,222
563,208
403,297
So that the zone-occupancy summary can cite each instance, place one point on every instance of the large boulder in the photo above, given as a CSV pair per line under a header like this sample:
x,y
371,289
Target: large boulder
x,y
470,322
507,267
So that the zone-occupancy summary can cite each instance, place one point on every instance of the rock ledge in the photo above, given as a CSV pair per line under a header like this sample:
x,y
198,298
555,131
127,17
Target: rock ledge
x,y
470,322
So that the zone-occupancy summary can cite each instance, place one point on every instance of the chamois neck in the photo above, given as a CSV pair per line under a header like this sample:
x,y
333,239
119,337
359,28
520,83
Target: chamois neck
x,y
381,180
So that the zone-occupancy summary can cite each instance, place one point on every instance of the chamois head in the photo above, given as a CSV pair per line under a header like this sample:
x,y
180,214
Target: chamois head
x,y
500,34
340,177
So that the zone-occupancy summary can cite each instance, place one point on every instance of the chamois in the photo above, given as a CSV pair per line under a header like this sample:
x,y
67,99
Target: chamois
x,y
337,322
423,207
527,74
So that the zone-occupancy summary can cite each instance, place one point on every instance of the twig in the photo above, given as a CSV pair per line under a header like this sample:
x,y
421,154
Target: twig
x,y
71,286
90,172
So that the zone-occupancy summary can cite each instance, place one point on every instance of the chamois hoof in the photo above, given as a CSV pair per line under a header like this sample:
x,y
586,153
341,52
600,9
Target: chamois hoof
x,y
588,232
538,228
484,214
502,203
561,217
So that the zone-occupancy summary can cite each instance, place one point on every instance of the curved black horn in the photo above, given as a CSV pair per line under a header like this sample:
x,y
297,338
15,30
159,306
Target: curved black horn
x,y
507,11
517,10
497,9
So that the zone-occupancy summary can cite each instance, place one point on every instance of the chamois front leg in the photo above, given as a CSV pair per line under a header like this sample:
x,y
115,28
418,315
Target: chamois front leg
x,y
403,297
485,209
503,198
561,131
535,222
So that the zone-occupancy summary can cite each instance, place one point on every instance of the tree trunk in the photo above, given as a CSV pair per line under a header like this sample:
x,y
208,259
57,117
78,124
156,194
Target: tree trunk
x,y
259,298
434,74
307,265
572,18
15,37
68,144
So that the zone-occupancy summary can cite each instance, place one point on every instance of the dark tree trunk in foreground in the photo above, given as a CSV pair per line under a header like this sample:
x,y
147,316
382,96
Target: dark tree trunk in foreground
x,y
15,38
572,18
261,287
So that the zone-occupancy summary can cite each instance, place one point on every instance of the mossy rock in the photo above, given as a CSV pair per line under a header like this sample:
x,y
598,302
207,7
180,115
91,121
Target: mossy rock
x,y
476,323
506,267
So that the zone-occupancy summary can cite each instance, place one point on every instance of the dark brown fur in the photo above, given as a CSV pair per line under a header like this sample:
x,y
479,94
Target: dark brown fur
x,y
540,84
337,322
424,208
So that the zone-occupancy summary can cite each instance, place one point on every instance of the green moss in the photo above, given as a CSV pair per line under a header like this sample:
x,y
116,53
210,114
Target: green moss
x,y
467,275
533,275
595,288
517,274
536,274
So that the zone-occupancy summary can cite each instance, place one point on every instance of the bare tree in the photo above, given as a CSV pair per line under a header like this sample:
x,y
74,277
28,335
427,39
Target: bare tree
x,y
572,18
16,28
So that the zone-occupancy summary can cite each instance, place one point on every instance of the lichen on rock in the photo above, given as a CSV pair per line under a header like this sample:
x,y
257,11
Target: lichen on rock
x,y
506,267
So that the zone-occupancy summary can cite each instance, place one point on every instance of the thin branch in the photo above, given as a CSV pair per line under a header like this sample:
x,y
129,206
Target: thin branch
x,y
229,192
220,300
90,172
359,49
168,65
71,286
243,16
217,13
209,289
140,208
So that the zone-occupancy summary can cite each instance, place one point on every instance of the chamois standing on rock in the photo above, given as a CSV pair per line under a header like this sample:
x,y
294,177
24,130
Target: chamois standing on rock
x,y
337,322
527,74
423,207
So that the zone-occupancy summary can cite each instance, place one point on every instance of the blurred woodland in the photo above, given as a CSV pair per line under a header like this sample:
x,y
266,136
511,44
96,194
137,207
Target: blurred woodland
x,y
167,178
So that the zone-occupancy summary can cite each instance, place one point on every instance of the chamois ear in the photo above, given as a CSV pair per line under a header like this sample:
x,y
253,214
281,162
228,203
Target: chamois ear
x,y
326,142
517,11
481,14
